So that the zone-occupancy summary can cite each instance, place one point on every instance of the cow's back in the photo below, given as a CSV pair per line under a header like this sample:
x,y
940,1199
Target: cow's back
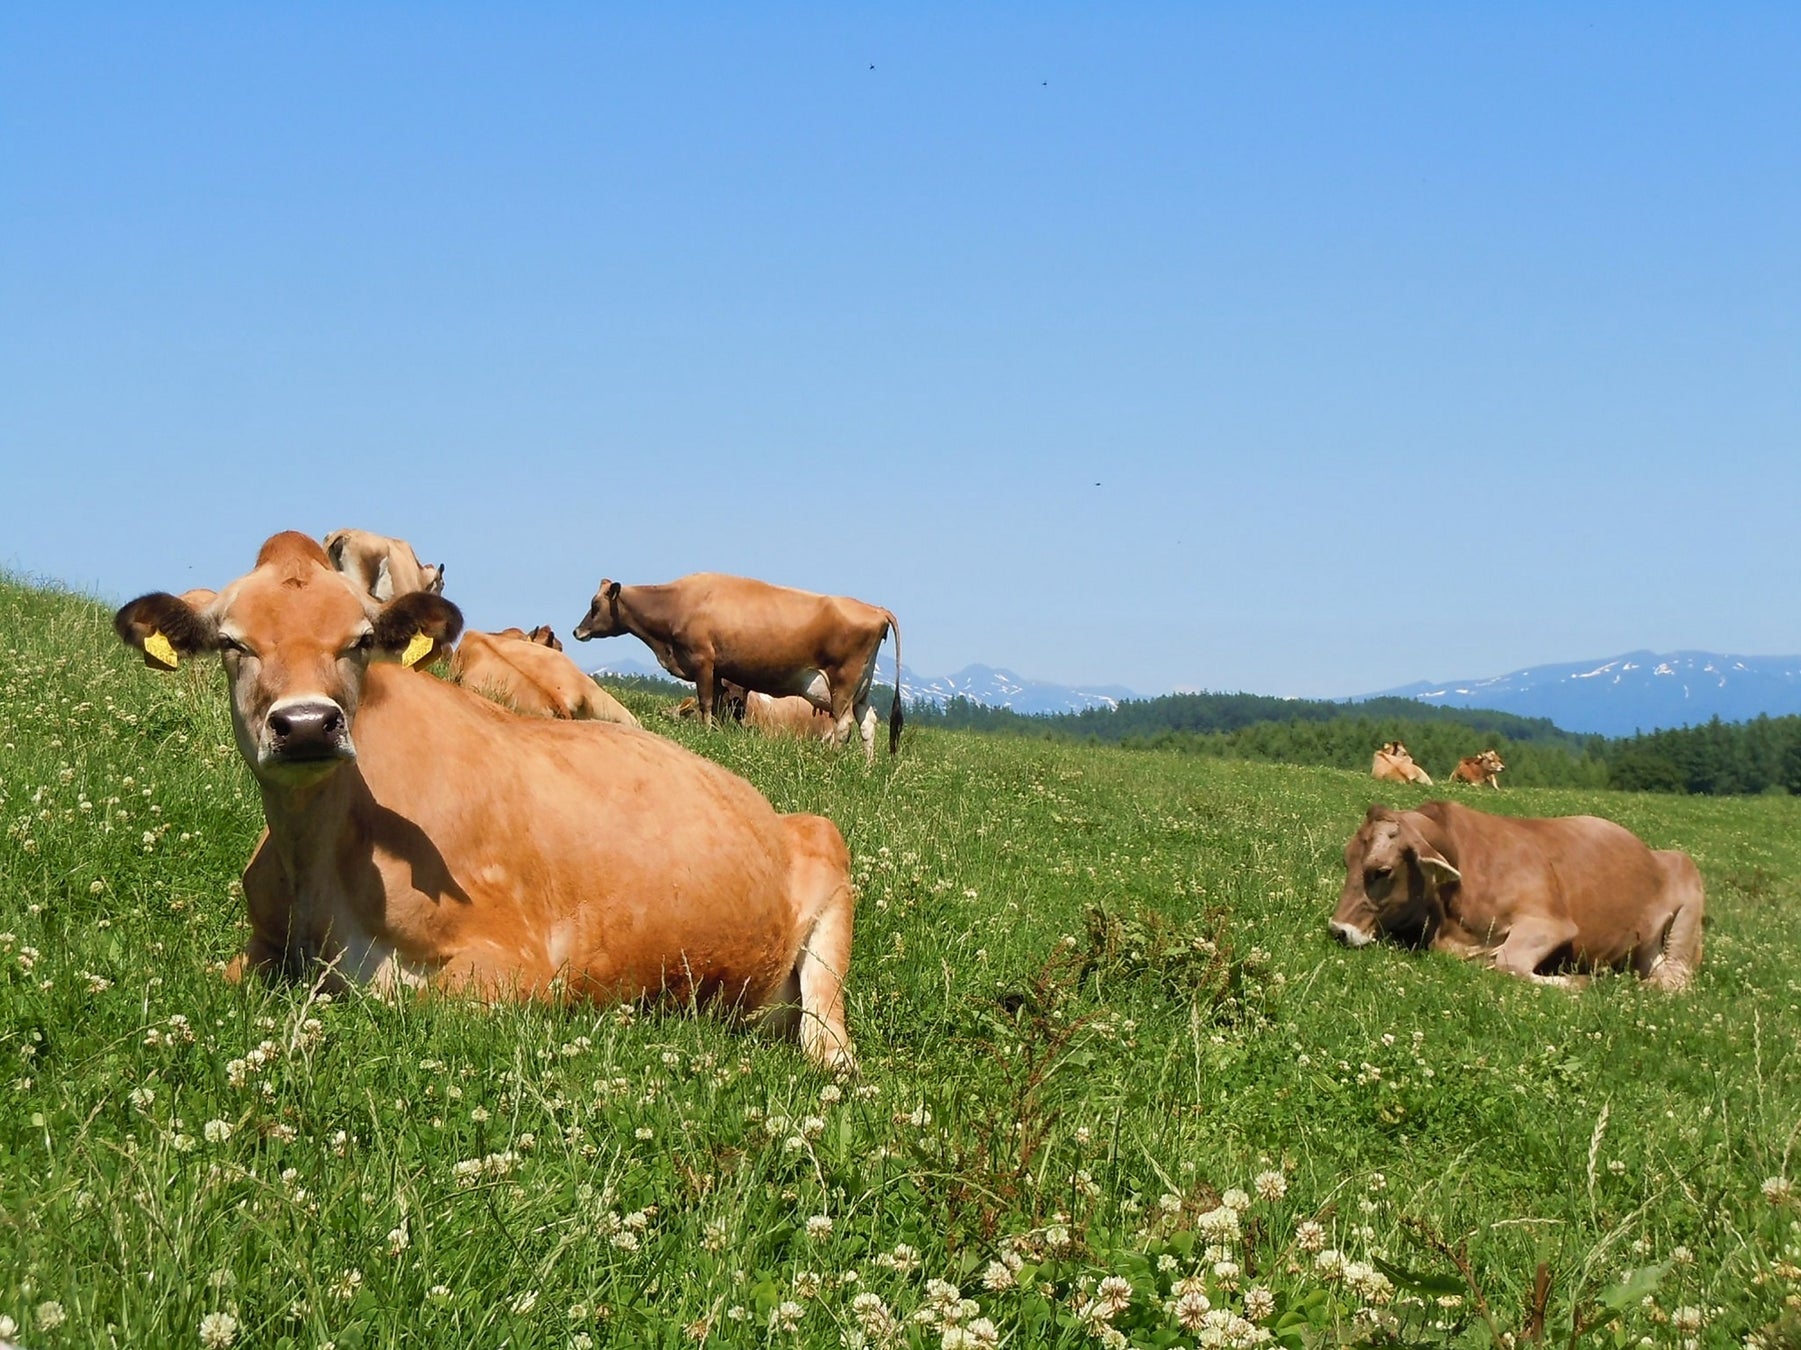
x,y
768,630
539,824
1593,872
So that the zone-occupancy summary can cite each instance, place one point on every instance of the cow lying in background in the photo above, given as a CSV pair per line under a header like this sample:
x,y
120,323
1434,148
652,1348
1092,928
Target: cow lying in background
x,y
545,636
380,566
1532,896
778,717
1479,769
532,679
1392,764
420,836
709,627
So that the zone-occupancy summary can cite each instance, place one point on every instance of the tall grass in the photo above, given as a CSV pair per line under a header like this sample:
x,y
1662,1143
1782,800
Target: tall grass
x,y
1104,1037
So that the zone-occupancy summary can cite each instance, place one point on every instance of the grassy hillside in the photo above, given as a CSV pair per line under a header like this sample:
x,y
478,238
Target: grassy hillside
x,y
1105,1038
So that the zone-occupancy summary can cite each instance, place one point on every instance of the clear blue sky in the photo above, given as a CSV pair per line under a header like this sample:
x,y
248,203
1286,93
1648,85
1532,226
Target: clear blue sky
x,y
1402,342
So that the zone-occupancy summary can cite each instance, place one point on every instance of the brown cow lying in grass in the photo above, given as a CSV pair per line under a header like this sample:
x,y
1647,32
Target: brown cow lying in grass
x,y
791,716
1479,769
532,679
420,836
1534,897
1393,764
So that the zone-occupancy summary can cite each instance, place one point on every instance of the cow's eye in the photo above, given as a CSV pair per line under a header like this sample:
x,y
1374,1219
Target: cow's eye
x,y
365,642
231,644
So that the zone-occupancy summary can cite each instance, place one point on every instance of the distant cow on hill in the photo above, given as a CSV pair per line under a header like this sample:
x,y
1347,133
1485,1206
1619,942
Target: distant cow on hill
x,y
709,627
1534,897
1478,769
1393,764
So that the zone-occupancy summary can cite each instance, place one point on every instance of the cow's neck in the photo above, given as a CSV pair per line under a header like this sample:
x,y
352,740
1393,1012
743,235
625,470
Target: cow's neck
x,y
644,623
309,828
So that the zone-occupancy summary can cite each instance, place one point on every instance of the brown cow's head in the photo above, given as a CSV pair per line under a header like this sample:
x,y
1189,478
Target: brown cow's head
x,y
603,614
545,636
295,639
1491,761
1393,879
431,577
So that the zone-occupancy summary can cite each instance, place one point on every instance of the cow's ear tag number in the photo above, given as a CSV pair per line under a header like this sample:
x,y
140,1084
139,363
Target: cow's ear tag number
x,y
415,652
158,649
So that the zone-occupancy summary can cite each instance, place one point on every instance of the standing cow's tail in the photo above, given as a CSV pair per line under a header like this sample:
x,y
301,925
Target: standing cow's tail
x,y
894,713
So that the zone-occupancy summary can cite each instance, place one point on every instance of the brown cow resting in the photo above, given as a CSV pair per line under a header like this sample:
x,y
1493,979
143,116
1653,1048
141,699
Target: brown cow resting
x,y
708,627
532,679
791,717
1531,896
382,567
420,836
1479,769
1393,764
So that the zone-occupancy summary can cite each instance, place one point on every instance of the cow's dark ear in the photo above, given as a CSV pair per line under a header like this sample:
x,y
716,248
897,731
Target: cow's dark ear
x,y
164,628
415,628
610,589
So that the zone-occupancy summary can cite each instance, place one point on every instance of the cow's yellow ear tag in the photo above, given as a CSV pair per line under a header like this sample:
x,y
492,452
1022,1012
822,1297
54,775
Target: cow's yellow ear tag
x,y
416,650
157,648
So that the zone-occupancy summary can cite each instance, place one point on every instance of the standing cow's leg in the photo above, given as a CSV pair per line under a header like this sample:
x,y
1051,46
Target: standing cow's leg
x,y
819,887
866,719
705,691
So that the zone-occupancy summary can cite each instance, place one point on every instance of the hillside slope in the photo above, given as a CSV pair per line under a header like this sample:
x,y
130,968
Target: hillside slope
x,y
1103,1029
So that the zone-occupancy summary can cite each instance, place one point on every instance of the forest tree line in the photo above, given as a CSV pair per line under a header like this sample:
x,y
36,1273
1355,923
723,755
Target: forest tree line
x,y
1727,758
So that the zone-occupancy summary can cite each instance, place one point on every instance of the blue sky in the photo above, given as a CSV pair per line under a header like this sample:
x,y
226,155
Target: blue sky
x,y
1296,349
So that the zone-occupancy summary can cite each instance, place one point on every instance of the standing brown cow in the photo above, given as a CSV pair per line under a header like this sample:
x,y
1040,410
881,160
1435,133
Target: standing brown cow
x,y
708,627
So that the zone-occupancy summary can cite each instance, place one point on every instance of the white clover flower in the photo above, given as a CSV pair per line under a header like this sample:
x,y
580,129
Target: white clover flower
x,y
819,1227
1271,1185
1776,1189
216,1131
996,1278
1219,1225
398,1239
1686,1319
785,1316
1309,1236
1056,1237
1259,1303
50,1315
807,1284
1190,1310
1236,1200
142,1097
1114,1294
218,1330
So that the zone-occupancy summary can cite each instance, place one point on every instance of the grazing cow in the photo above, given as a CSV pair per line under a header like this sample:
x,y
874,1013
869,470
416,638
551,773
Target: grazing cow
x,y
1392,764
382,566
532,679
777,717
419,836
708,628
1531,896
1479,769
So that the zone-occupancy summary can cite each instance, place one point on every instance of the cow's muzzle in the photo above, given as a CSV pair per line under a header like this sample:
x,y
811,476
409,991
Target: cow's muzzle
x,y
309,732
1351,935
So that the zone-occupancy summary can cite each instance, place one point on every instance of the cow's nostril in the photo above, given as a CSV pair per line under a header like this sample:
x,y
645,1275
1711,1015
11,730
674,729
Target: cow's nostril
x,y
280,723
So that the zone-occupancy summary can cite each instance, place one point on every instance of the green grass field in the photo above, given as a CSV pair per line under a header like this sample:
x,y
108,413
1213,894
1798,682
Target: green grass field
x,y
1119,1087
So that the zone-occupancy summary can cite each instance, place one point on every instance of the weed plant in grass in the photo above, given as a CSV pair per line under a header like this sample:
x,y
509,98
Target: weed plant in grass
x,y
1119,1086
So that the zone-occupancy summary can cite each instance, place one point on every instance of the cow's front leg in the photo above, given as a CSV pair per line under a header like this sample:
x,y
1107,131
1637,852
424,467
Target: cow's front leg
x,y
706,690
1530,944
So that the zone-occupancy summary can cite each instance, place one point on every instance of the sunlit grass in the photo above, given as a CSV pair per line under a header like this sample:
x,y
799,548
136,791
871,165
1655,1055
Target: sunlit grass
x,y
1104,1036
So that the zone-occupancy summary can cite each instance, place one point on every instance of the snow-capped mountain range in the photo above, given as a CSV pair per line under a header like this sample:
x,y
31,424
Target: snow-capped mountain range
x,y
987,685
1640,691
